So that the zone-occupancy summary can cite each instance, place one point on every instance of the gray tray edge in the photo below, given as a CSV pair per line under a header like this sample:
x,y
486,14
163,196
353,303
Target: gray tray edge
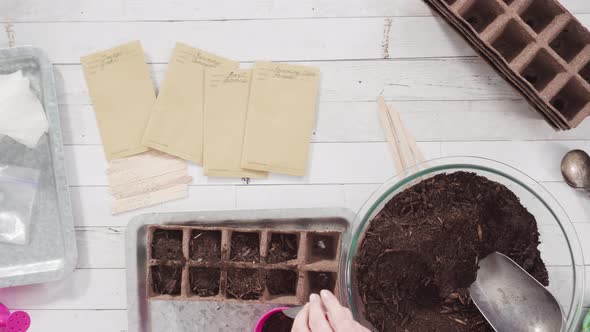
x,y
137,222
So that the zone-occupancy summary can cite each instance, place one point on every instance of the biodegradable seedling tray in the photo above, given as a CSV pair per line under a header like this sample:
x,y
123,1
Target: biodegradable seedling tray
x,y
185,270
536,45
241,264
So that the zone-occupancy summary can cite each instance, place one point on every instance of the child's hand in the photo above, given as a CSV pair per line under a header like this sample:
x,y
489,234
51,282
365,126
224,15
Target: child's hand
x,y
334,318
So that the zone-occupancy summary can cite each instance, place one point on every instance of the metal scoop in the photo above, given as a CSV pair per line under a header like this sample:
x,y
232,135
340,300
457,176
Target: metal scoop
x,y
512,300
575,168
292,312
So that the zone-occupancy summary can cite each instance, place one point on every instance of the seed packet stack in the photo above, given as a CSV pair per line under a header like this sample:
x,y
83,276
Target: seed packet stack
x,y
535,45
240,123
123,96
234,122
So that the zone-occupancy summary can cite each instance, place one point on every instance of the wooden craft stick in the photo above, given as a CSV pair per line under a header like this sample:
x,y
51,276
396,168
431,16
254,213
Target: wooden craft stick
x,y
416,152
151,198
151,184
150,157
402,140
402,144
148,171
388,129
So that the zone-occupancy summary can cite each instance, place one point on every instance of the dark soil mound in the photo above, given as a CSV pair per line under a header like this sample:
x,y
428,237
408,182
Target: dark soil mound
x,y
420,253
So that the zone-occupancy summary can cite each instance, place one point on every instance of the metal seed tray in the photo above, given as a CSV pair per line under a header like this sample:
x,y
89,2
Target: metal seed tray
x,y
150,311
51,253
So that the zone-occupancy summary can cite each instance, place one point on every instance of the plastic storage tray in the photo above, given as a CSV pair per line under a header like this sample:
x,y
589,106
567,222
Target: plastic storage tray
x,y
51,253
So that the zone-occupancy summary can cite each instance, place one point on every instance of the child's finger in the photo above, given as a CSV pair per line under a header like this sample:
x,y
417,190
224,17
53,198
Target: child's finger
x,y
302,320
317,316
348,313
338,314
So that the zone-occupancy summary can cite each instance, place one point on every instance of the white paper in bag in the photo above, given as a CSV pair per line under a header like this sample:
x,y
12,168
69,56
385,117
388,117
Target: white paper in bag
x,y
21,114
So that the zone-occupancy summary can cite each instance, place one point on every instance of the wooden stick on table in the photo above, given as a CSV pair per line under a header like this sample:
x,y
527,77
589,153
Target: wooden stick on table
x,y
403,146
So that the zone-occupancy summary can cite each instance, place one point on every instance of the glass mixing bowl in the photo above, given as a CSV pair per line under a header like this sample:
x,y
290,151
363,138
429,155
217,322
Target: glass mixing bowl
x,y
559,246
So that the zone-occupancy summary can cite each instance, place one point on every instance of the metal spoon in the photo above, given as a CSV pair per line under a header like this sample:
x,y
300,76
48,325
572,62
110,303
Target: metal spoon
x,y
575,168
512,300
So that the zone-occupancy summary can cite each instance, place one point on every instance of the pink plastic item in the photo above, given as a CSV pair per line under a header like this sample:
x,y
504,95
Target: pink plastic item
x,y
4,314
265,317
19,321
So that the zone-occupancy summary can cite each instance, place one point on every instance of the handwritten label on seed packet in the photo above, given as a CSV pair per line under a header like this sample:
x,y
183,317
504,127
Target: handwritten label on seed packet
x,y
122,94
176,121
226,105
282,105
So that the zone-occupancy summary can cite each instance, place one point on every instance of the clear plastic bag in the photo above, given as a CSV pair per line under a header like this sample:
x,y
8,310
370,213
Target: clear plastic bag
x,y
18,188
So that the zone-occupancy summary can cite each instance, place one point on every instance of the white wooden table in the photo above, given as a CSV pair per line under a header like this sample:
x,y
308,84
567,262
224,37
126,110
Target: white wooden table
x,y
452,101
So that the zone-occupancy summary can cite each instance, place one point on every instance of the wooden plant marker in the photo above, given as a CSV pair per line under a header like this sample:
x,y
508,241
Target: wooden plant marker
x,y
404,150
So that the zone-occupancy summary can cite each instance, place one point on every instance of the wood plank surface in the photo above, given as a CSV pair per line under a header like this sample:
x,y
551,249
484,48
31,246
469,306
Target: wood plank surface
x,y
498,120
251,40
452,102
188,10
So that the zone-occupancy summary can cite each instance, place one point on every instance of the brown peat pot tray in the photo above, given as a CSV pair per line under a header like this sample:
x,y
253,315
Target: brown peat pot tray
x,y
240,264
535,45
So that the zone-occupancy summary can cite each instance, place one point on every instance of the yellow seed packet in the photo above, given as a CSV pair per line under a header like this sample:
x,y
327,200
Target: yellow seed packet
x,y
281,112
176,122
226,105
122,94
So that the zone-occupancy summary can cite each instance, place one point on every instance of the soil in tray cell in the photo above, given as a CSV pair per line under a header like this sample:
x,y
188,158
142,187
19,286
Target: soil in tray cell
x,y
321,280
245,247
167,245
204,282
322,246
244,284
282,248
205,246
420,252
281,282
278,322
166,280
